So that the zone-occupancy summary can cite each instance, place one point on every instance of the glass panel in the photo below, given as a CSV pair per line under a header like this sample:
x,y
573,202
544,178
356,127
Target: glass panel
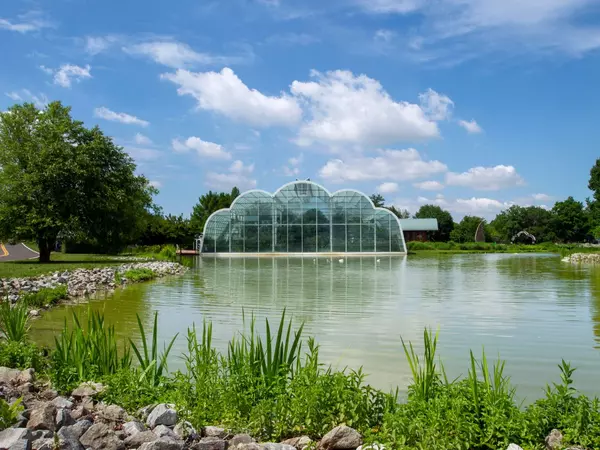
x,y
265,211
295,239
209,238
383,232
251,239
310,239
265,239
397,239
323,238
339,238
353,238
281,238
368,238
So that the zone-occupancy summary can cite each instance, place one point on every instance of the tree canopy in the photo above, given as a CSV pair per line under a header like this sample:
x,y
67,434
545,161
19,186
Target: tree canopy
x,y
444,219
209,203
466,229
378,200
61,179
570,220
533,219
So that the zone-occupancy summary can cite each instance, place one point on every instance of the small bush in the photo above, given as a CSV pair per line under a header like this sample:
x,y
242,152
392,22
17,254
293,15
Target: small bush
x,y
137,275
19,355
168,253
14,321
9,413
46,297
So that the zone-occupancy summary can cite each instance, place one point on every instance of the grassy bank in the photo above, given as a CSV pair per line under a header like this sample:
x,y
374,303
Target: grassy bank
x,y
490,247
273,385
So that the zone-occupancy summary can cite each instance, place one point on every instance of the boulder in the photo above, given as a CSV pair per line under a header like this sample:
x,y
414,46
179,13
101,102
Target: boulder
x,y
274,446
42,418
114,413
74,431
21,444
248,446
43,444
11,436
241,439
21,421
63,417
554,440
210,443
163,414
79,412
139,438
8,375
48,394
101,437
164,432
513,447
214,432
26,376
62,403
144,412
299,443
184,429
133,427
88,390
41,434
341,438
162,445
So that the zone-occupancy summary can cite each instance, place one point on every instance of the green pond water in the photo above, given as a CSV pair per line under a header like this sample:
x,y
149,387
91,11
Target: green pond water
x,y
532,310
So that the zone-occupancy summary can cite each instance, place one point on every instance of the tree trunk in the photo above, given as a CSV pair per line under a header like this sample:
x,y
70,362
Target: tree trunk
x,y
45,246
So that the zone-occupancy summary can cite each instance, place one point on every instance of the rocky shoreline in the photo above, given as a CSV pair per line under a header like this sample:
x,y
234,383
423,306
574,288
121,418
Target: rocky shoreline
x,y
583,258
49,421
85,282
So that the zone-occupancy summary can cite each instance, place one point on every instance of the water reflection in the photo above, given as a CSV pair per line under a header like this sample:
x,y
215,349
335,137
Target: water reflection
x,y
533,310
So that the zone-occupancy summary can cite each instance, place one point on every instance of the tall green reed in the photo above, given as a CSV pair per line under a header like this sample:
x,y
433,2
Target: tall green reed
x,y
426,376
14,321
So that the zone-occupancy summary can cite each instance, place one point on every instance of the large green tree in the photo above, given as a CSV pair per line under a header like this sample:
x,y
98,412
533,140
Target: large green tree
x,y
593,205
466,229
209,203
61,179
571,221
444,219
378,200
533,219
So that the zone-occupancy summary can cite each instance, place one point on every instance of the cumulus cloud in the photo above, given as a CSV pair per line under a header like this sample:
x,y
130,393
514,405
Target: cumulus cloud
x,y
345,108
66,74
429,185
436,106
387,187
471,126
202,148
107,114
239,174
223,92
24,95
98,44
155,183
459,207
395,164
140,139
486,178
293,167
31,21
541,197
179,55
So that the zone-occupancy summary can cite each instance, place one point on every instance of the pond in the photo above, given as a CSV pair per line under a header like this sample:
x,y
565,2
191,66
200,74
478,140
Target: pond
x,y
531,310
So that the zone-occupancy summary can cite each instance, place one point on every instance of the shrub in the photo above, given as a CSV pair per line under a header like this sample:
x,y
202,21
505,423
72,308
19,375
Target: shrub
x,y
14,321
46,296
20,355
168,253
137,275
9,413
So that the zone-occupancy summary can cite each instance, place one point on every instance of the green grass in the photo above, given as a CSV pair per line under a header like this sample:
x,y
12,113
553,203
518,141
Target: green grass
x,y
45,297
137,275
490,247
14,321
60,262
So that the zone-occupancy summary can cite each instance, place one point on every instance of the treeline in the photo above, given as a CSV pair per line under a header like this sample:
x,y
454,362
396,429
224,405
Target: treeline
x,y
568,220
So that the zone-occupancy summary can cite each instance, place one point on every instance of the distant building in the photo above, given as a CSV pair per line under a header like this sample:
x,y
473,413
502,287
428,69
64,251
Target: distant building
x,y
418,229
302,217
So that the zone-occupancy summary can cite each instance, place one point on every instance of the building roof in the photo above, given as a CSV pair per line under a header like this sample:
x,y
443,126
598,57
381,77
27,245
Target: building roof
x,y
419,224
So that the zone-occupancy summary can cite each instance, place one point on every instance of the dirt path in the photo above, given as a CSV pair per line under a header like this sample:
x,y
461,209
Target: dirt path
x,y
16,252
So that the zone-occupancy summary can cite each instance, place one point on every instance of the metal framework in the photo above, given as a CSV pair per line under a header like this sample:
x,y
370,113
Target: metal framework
x,y
303,217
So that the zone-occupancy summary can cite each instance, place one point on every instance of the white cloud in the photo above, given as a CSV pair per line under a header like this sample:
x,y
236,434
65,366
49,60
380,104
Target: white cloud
x,y
429,185
203,148
24,95
31,21
143,154
476,26
225,93
292,39
387,187
541,197
390,164
140,139
99,44
107,114
472,126
293,167
155,183
459,207
239,175
436,106
179,55
356,109
66,74
486,178
384,35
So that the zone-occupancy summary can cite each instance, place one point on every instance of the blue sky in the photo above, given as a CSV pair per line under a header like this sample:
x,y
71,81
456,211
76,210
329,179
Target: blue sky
x,y
471,104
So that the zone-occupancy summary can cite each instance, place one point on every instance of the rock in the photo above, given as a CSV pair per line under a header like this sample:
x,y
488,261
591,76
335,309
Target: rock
x,y
145,411
133,427
299,443
514,447
249,446
34,313
21,422
79,412
25,388
274,446
62,403
341,438
161,445
241,439
87,403
74,431
9,376
48,394
164,432
26,376
184,429
63,417
43,444
114,413
554,440
210,443
42,418
88,390
21,444
41,434
11,436
140,438
101,437
213,432
162,415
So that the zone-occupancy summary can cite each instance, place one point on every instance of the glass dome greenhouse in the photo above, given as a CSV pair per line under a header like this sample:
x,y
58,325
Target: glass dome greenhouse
x,y
303,217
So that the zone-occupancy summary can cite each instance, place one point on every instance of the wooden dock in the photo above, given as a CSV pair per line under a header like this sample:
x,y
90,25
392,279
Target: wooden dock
x,y
188,252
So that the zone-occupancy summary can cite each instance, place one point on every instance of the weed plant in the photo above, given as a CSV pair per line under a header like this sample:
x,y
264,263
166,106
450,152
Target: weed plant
x,y
45,297
137,275
14,321
9,412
